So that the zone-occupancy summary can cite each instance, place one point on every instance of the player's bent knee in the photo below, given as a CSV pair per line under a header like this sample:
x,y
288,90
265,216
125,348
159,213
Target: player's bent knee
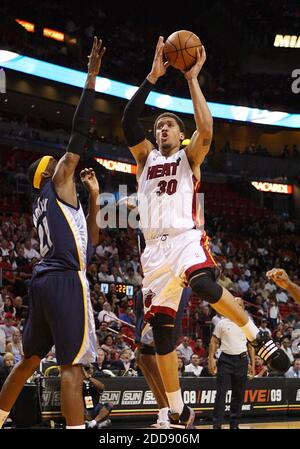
x,y
163,330
204,285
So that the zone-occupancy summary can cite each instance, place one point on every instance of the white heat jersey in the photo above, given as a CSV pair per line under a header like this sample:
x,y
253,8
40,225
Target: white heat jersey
x,y
167,195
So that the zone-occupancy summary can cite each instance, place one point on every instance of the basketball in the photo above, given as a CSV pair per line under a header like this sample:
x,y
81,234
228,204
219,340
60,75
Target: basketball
x,y
181,49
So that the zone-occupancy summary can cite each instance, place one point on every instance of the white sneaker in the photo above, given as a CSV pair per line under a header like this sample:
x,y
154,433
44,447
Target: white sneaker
x,y
161,424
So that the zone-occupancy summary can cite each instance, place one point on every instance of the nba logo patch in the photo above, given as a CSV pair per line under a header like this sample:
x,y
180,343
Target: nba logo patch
x,y
148,298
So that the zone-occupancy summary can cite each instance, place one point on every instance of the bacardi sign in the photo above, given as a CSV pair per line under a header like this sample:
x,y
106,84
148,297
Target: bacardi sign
x,y
273,187
123,167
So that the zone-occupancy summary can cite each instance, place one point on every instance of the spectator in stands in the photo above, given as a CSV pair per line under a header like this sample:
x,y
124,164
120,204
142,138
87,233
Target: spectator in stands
x,y
21,261
125,361
185,350
8,326
131,277
15,347
194,367
21,309
278,336
114,301
103,275
263,327
115,273
128,316
181,366
243,284
8,306
111,250
288,333
102,332
100,249
109,348
274,314
29,252
295,344
92,274
204,321
281,296
101,363
110,317
120,344
7,366
261,370
286,346
270,286
97,291
199,348
294,371
5,246
225,281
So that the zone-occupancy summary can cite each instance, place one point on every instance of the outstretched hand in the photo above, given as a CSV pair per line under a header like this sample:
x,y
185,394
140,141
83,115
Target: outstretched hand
x,y
89,180
279,276
194,71
95,57
159,67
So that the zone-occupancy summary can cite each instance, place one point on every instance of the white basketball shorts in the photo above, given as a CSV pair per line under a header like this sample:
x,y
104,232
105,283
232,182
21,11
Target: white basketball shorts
x,y
168,262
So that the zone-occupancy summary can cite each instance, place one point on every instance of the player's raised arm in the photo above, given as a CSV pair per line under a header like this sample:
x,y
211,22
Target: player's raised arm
x,y
281,278
67,164
134,132
201,139
89,180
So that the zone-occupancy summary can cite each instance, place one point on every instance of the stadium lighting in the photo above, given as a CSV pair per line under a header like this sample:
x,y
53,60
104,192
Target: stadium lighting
x,y
53,34
77,78
30,27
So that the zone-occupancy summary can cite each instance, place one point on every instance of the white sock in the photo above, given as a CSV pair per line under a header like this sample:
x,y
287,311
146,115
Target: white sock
x,y
3,416
82,426
250,330
163,414
92,423
175,401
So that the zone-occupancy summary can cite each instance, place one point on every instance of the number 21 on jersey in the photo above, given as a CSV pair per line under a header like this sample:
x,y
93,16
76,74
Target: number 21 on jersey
x,y
44,236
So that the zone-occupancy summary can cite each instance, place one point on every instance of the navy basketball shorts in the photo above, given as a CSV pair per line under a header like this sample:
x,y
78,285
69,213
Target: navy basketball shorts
x,y
60,314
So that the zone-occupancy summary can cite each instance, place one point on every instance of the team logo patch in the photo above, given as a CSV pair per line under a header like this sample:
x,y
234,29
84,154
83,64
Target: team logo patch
x,y
148,298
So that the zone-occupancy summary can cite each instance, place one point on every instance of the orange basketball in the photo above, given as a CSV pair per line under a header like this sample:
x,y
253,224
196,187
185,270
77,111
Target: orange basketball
x,y
181,49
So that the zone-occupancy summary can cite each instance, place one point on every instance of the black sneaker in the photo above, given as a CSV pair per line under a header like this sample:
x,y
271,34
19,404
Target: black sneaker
x,y
274,357
183,421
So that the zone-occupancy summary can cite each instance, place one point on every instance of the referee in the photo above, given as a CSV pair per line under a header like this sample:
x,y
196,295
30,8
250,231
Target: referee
x,y
231,368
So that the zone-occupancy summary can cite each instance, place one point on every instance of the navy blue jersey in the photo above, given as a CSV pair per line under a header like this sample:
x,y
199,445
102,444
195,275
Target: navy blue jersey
x,y
62,231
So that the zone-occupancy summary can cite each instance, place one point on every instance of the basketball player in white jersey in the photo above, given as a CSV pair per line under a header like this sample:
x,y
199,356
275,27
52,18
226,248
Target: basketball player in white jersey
x,y
176,252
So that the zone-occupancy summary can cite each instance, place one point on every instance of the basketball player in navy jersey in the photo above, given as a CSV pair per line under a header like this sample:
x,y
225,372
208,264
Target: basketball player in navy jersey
x,y
60,310
176,250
